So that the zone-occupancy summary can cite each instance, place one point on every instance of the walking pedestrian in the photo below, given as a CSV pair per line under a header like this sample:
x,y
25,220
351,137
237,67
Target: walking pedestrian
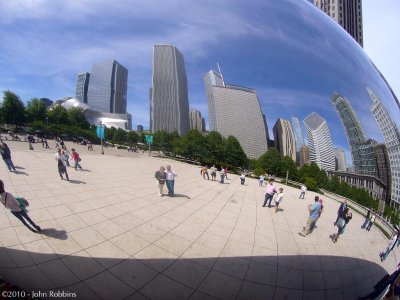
x,y
204,172
160,177
390,247
226,173
341,223
66,154
213,173
278,199
222,175
61,164
242,179
76,159
341,211
303,191
371,221
366,219
9,201
261,180
314,212
170,181
270,191
6,155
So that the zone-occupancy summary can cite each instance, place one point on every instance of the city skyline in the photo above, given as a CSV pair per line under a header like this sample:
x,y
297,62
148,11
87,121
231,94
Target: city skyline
x,y
203,44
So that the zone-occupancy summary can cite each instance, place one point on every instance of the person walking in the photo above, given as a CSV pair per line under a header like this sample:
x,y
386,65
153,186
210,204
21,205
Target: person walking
x,y
390,247
61,164
213,173
66,154
226,173
371,221
270,191
12,204
170,181
261,180
6,155
242,179
161,177
341,211
314,212
341,223
278,199
76,159
204,172
303,191
222,175
366,219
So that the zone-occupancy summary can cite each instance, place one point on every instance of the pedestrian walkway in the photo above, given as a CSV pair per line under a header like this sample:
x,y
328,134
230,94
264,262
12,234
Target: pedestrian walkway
x,y
107,234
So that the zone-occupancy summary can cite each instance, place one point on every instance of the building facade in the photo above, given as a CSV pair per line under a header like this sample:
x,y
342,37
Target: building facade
x,y
196,121
304,156
82,86
391,137
284,138
169,94
139,128
236,111
340,159
347,13
383,168
108,87
319,142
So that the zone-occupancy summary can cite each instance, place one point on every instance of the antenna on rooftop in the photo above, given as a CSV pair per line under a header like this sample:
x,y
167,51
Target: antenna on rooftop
x,y
220,73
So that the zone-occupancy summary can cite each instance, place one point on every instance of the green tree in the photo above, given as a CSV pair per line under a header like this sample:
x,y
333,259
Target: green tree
x,y
234,154
271,162
215,147
289,165
162,141
36,110
196,141
120,136
76,117
58,115
132,137
13,109
110,133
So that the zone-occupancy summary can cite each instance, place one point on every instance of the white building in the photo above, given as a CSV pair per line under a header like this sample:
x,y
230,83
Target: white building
x,y
196,121
284,138
319,142
236,111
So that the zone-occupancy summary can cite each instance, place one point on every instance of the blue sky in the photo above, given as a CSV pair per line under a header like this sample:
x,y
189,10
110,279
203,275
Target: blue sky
x,y
291,53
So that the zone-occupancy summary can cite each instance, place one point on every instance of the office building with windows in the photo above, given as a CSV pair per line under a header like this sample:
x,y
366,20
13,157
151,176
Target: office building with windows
x,y
347,13
284,138
82,86
108,87
196,121
391,137
340,159
169,94
319,142
236,111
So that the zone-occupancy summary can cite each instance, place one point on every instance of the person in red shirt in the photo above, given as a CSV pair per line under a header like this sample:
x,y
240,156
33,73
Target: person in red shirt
x,y
76,159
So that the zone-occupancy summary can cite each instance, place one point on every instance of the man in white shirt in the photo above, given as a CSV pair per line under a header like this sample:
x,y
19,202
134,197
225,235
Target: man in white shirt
x,y
303,191
61,164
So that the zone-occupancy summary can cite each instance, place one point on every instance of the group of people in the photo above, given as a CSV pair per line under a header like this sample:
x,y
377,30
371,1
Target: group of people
x,y
223,173
269,195
369,220
62,158
165,175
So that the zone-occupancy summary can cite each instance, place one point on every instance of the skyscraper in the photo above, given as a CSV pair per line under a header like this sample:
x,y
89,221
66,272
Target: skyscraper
x,y
347,13
108,87
82,86
353,130
340,159
196,120
298,135
304,155
236,111
284,138
391,136
383,166
169,99
319,142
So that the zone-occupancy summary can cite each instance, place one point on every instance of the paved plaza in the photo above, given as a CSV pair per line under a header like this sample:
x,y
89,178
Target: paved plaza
x,y
107,234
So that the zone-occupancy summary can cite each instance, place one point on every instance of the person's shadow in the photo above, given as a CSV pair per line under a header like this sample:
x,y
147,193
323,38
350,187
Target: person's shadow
x,y
54,233
181,196
76,181
21,173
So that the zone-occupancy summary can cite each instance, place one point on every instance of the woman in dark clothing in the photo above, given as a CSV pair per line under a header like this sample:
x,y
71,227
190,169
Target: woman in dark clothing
x,y
341,224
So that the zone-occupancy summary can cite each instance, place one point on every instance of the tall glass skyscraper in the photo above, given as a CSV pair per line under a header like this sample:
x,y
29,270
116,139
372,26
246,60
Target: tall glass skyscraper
x,y
391,136
169,99
298,135
319,142
284,138
108,87
82,85
236,111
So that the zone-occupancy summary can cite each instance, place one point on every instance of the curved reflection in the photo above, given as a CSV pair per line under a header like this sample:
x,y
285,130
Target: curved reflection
x,y
323,99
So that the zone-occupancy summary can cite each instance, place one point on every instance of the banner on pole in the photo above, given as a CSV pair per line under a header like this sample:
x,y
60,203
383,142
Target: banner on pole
x,y
149,139
100,130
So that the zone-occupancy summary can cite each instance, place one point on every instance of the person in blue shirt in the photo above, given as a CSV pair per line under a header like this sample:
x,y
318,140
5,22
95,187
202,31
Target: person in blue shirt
x,y
314,210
